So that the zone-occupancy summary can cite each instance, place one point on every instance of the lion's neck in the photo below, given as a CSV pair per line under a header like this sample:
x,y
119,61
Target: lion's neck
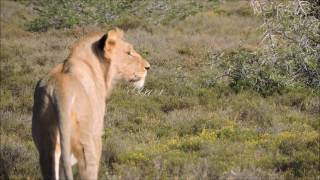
x,y
108,77
88,51
105,65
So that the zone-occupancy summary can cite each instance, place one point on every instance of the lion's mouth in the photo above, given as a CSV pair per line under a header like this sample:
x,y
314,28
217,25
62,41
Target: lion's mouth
x,y
138,80
134,80
138,83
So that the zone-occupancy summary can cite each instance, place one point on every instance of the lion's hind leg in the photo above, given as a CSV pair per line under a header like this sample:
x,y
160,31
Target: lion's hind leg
x,y
44,132
49,156
48,153
47,162
57,155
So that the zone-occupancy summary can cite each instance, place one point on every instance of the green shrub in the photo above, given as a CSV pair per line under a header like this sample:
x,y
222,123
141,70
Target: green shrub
x,y
66,14
298,154
291,40
129,22
177,104
123,13
246,72
16,160
289,55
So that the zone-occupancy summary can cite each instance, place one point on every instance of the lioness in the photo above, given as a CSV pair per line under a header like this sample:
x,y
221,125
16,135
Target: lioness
x,y
69,103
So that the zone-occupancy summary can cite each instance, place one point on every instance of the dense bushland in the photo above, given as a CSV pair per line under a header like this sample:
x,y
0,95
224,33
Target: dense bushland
x,y
290,52
124,13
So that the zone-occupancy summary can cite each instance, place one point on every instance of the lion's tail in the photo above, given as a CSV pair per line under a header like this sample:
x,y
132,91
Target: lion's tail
x,y
64,125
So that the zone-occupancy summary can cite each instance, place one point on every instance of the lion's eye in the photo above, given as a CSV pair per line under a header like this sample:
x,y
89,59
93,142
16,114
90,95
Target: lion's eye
x,y
129,53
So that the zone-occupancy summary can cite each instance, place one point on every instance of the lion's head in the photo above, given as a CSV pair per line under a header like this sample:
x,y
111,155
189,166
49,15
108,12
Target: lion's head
x,y
125,62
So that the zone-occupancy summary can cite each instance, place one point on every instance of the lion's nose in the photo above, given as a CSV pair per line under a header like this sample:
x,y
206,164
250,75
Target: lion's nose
x,y
147,65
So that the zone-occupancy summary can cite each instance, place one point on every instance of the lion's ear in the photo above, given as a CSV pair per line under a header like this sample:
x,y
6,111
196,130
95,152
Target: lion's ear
x,y
120,33
105,44
116,33
102,42
109,45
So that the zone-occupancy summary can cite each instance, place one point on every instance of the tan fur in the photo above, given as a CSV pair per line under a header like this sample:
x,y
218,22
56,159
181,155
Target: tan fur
x,y
69,103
